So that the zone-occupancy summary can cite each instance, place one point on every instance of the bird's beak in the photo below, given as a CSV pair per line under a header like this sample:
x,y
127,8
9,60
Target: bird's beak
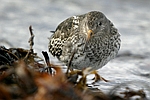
x,y
90,33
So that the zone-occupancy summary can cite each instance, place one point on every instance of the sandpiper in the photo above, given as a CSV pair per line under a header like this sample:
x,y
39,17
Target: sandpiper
x,y
89,40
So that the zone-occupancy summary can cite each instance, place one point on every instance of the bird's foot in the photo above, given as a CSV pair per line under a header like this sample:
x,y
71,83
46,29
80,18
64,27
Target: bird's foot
x,y
98,77
81,83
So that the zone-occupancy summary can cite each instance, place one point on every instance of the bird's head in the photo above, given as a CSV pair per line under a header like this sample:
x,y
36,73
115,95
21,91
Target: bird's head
x,y
95,24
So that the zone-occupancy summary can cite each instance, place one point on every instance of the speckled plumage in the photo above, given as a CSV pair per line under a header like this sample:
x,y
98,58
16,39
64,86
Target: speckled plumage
x,y
91,38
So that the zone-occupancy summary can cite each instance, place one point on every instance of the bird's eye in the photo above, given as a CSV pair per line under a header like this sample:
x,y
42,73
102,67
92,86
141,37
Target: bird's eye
x,y
100,23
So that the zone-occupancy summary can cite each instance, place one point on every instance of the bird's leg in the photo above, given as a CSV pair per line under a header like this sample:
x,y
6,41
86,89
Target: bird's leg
x,y
98,77
69,64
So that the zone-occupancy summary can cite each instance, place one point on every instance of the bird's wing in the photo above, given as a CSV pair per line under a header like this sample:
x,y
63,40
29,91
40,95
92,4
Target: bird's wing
x,y
62,33
60,36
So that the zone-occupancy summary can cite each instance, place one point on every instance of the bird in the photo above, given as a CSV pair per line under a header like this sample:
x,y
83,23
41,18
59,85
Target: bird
x,y
87,40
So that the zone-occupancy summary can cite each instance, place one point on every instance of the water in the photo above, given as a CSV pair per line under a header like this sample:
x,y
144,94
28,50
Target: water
x,y
131,17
